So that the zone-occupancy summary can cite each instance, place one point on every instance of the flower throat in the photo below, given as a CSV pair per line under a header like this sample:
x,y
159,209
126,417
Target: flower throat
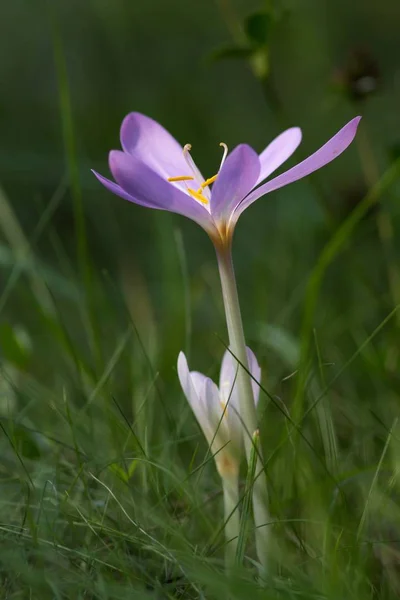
x,y
202,194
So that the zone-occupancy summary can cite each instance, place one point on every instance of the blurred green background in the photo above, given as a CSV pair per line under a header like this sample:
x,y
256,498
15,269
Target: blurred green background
x,y
99,296
102,60
157,58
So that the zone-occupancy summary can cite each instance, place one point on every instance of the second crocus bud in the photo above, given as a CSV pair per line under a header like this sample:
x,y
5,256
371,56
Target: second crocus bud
x,y
217,408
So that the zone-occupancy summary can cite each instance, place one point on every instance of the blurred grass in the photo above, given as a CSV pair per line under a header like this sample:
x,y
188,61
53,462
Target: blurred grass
x,y
108,490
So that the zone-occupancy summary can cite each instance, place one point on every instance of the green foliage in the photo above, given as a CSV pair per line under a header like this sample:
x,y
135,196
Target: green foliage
x,y
108,490
257,28
253,47
12,346
231,51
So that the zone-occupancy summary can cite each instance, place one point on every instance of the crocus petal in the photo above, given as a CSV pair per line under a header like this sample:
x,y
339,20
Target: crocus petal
x,y
199,382
203,397
228,377
147,140
147,187
278,151
186,380
320,158
215,410
208,394
230,395
117,189
255,370
195,397
237,177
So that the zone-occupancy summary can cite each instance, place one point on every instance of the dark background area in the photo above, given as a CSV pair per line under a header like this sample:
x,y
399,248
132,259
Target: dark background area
x,y
69,73
153,57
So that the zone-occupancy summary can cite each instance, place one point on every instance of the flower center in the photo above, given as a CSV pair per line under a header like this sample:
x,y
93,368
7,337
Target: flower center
x,y
202,194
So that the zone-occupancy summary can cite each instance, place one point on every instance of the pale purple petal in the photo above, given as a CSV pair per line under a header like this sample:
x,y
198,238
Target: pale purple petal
x,y
221,427
279,150
333,148
185,380
148,188
117,189
215,410
148,141
227,429
187,384
196,398
237,177
212,423
199,383
228,377
230,398
255,370
230,394
208,393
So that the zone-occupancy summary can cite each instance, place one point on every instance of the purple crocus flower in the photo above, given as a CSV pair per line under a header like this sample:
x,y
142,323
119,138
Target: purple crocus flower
x,y
154,170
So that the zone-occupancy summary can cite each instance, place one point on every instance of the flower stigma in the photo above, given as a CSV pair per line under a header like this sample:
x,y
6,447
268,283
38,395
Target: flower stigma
x,y
202,194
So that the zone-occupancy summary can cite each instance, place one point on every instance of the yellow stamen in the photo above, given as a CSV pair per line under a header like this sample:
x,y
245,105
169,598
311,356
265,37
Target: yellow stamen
x,y
198,195
208,181
181,178
201,193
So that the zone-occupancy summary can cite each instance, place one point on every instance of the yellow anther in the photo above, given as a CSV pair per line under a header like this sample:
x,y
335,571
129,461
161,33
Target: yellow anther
x,y
202,194
198,195
208,181
181,178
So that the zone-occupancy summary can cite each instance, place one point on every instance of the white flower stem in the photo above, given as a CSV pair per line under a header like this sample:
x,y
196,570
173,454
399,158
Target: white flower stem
x,y
230,486
246,399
